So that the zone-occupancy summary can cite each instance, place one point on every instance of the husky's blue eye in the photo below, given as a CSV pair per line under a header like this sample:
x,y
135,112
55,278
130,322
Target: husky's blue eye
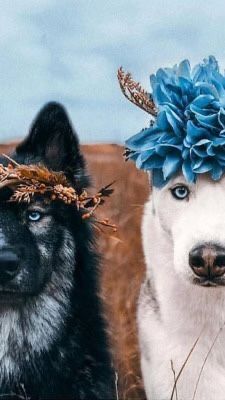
x,y
34,216
180,192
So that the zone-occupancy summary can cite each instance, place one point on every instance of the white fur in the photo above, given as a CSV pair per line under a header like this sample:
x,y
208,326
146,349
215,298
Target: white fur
x,y
173,312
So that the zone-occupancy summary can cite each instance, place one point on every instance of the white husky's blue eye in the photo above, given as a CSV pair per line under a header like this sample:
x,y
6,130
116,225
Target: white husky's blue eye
x,y
34,216
180,192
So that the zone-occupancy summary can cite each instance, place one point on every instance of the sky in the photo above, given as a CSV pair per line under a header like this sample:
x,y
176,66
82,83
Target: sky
x,y
69,51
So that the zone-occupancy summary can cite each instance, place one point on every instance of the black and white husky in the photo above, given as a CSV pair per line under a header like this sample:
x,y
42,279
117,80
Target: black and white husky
x,y
181,313
52,335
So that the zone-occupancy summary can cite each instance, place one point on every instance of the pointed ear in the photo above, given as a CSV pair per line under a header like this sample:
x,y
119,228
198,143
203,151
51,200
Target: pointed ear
x,y
53,142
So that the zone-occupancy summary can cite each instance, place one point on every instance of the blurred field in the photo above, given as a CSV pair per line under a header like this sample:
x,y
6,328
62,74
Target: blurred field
x,y
122,266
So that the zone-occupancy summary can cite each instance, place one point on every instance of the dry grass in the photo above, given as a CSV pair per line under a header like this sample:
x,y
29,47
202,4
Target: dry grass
x,y
123,265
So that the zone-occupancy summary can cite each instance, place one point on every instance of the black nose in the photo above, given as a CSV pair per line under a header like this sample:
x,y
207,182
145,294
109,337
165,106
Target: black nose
x,y
9,264
207,261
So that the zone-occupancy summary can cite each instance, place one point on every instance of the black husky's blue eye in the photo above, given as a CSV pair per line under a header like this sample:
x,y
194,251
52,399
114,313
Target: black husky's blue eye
x,y
34,216
180,192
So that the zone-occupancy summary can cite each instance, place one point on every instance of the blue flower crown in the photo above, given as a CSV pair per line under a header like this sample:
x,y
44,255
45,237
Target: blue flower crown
x,y
188,133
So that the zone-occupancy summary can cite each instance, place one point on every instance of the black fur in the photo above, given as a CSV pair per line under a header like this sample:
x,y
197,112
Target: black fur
x,y
73,362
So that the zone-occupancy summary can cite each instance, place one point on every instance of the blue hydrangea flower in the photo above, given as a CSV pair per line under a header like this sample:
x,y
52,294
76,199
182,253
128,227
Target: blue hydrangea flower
x,y
188,134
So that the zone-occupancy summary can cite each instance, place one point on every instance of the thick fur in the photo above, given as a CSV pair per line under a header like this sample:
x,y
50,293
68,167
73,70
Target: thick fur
x,y
105,162
53,342
175,310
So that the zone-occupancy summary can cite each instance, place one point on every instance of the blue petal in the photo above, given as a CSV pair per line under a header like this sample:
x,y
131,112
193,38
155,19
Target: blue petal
x,y
162,121
187,171
212,63
211,151
195,133
202,101
174,121
210,121
159,96
202,112
197,162
171,165
157,178
217,172
202,71
137,141
221,117
165,148
184,69
221,161
218,141
199,151
207,88
204,167
151,162
186,86
145,155
185,153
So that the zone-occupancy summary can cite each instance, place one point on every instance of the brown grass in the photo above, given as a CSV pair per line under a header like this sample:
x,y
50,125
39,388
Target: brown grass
x,y
123,266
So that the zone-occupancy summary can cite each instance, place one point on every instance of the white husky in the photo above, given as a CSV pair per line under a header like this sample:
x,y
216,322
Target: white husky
x,y
181,312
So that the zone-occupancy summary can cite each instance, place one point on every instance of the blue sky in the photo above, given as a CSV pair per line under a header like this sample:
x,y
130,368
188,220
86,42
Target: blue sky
x,y
70,50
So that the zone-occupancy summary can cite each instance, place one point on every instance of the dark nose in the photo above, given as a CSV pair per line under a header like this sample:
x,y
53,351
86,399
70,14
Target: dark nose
x,y
207,261
9,264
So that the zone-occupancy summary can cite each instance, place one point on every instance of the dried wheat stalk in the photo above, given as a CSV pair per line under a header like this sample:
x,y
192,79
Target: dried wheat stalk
x,y
134,92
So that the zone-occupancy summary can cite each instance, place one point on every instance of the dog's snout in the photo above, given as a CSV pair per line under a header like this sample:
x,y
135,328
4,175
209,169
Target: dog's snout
x,y
9,264
207,261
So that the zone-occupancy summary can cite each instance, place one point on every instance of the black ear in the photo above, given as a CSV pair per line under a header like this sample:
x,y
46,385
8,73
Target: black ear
x,y
53,142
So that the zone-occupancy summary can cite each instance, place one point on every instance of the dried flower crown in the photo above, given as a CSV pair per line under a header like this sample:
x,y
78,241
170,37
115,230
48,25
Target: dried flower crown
x,y
28,181
188,133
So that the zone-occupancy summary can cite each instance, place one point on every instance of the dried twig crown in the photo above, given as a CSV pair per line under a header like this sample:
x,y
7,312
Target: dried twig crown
x,y
27,181
134,92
